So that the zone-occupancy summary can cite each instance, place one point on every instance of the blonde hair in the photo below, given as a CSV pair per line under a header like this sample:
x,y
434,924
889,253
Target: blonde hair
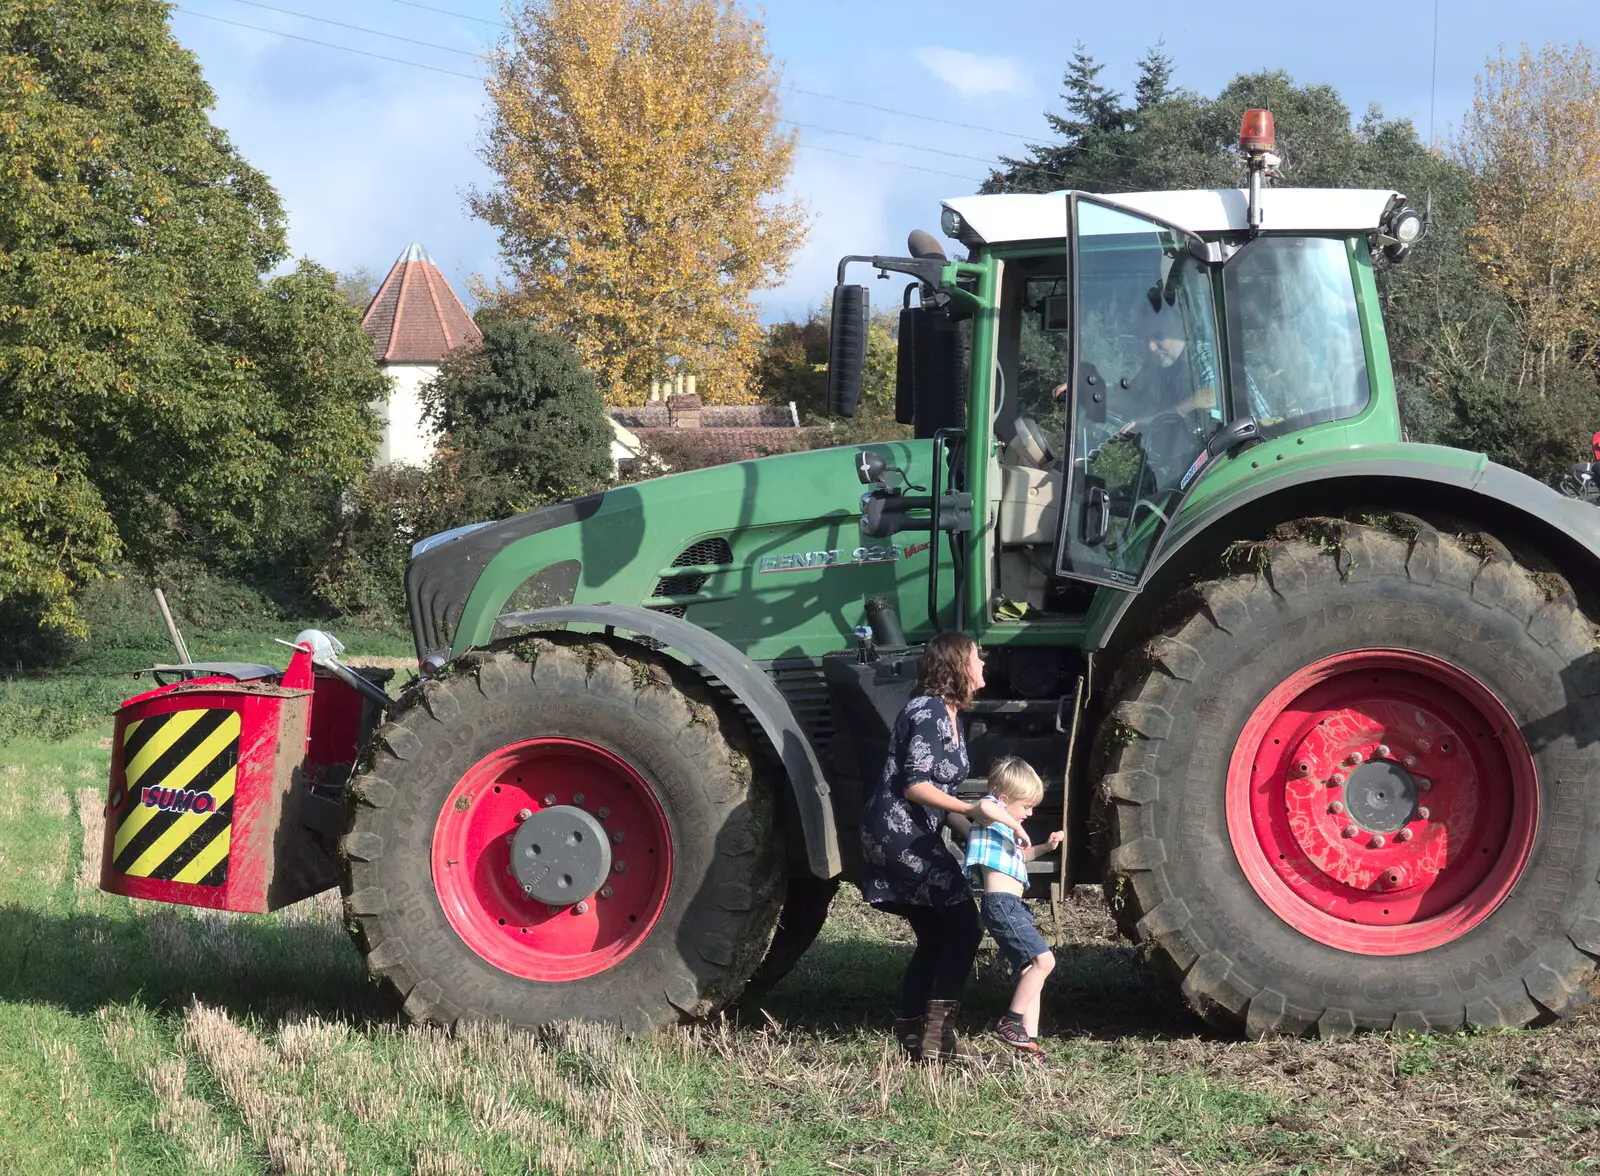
x,y
1014,779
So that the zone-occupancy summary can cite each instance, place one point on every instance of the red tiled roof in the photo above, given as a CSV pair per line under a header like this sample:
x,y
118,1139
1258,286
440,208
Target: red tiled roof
x,y
718,445
415,317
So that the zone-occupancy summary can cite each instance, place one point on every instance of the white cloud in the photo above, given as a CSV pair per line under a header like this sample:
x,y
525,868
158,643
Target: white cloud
x,y
973,73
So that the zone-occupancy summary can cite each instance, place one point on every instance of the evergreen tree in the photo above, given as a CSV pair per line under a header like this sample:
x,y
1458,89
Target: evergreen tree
x,y
520,420
1155,78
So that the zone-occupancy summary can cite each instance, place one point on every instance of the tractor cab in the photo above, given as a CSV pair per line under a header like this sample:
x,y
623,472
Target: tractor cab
x,y
1121,348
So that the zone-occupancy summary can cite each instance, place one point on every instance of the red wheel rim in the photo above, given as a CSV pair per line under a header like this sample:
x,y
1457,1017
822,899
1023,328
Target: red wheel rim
x,y
1382,802
472,859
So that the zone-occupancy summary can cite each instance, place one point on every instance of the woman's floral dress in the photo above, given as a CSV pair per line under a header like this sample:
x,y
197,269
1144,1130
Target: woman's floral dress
x,y
904,857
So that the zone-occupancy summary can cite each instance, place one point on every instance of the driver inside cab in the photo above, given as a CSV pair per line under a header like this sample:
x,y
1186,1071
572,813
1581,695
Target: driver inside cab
x,y
1175,377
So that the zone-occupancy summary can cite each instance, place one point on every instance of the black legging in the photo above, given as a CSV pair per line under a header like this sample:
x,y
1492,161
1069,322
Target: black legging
x,y
947,943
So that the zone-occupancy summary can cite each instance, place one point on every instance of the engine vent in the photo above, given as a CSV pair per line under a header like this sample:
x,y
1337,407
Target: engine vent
x,y
701,554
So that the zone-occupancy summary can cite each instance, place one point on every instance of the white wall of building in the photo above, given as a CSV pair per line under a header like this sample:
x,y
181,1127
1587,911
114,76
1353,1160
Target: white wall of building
x,y
405,437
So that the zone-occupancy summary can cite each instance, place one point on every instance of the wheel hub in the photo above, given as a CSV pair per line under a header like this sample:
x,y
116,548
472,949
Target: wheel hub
x,y
552,858
1381,801
560,855
1380,796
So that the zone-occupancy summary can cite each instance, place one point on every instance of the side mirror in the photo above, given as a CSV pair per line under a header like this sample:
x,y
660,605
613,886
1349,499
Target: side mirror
x,y
847,348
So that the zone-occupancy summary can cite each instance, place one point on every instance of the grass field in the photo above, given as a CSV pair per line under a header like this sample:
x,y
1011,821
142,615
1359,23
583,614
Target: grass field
x,y
137,1038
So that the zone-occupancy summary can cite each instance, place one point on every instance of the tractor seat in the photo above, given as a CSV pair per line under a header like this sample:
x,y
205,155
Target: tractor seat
x,y
1028,446
1030,491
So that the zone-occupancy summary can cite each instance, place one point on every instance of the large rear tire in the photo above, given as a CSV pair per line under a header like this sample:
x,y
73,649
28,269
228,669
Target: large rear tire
x,y
686,903
1354,789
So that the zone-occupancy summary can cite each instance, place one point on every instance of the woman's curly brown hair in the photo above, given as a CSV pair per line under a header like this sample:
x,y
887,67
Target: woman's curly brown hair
x,y
943,672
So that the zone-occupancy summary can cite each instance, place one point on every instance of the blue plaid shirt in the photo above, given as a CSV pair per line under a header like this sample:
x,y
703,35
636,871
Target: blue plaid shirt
x,y
994,846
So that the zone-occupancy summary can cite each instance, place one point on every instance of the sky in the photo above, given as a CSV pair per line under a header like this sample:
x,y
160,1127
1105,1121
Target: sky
x,y
370,154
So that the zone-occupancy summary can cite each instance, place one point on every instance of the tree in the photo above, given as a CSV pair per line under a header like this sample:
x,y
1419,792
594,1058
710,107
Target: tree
x,y
794,367
1532,142
357,286
520,420
639,161
157,397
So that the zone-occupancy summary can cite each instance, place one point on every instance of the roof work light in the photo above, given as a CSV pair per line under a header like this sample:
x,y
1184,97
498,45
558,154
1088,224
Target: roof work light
x,y
1258,140
1256,132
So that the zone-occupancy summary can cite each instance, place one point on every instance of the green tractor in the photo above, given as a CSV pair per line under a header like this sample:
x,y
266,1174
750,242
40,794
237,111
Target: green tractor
x,y
1318,706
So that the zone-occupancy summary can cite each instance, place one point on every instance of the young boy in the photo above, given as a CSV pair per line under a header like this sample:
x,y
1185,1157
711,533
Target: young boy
x,y
995,863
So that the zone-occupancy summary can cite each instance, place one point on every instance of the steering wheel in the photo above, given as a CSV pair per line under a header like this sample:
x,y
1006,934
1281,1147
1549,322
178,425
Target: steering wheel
x,y
1168,439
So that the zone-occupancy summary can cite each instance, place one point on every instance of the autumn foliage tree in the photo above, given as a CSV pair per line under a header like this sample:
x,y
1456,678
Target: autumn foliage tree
x,y
1532,142
640,165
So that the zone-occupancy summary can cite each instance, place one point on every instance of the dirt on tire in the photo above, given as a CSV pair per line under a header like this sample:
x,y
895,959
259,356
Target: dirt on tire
x,y
1174,881
719,801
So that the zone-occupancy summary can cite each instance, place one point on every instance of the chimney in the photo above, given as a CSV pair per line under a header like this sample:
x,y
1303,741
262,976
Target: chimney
x,y
684,411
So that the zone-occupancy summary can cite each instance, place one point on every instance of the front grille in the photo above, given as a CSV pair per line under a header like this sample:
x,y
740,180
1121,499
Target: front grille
x,y
701,554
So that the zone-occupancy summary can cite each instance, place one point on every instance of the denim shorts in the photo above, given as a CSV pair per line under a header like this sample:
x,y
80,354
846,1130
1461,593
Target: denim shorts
x,y
1008,919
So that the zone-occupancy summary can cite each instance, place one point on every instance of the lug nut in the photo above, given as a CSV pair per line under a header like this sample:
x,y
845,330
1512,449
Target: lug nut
x,y
619,837
605,892
1355,757
1424,784
1410,761
577,798
1336,808
528,890
619,867
1403,835
1381,751
581,909
1423,813
549,799
1336,779
1349,831
551,908
524,814
1376,842
602,812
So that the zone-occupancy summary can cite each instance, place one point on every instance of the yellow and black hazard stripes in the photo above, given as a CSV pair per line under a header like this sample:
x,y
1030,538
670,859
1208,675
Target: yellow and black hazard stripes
x,y
178,815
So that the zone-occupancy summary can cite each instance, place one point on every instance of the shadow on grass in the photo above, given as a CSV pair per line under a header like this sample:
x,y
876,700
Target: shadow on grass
x,y
850,981
248,965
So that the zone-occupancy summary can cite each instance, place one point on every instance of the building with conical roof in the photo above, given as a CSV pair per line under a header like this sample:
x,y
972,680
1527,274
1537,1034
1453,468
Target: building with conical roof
x,y
413,320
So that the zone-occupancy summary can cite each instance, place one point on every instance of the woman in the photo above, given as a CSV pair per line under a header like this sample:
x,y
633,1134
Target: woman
x,y
906,867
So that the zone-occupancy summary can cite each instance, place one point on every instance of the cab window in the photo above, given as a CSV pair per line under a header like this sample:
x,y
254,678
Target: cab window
x,y
1298,357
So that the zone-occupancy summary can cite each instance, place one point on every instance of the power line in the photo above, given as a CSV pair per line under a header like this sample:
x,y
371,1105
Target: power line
x,y
887,162
356,28
792,89
910,114
987,161
891,143
499,24
455,73
1433,79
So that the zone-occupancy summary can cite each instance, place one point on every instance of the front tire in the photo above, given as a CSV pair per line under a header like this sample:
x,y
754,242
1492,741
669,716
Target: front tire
x,y
1354,790
686,904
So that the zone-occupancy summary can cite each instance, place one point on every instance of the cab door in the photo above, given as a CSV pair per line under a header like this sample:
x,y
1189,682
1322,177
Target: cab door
x,y
1147,387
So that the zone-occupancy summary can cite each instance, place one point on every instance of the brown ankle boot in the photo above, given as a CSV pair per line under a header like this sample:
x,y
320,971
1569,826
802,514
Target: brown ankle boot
x,y
908,1032
939,1041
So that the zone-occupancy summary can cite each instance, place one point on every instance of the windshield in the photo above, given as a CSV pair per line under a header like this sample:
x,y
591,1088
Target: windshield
x,y
1295,332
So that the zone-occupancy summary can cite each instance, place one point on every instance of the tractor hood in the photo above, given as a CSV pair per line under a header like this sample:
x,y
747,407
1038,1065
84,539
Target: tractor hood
x,y
767,553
